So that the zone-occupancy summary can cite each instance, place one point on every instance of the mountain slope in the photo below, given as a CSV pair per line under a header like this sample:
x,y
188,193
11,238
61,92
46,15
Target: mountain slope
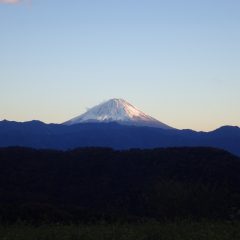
x,y
57,136
117,110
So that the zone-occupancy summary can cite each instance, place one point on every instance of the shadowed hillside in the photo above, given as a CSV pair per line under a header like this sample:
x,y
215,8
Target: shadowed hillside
x,y
99,183
36,134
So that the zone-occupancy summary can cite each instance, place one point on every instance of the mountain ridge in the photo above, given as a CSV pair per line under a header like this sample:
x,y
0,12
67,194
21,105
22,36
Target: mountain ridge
x,y
57,136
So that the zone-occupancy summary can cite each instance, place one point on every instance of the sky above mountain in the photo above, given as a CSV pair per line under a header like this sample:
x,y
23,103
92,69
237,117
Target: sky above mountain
x,y
177,61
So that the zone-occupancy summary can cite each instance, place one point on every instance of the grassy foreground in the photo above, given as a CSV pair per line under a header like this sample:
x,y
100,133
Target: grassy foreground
x,y
183,230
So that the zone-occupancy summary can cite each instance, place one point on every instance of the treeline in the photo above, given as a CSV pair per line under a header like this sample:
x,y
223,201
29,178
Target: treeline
x,y
92,184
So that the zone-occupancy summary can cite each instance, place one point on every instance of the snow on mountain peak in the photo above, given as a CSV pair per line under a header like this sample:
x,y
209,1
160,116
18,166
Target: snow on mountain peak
x,y
117,110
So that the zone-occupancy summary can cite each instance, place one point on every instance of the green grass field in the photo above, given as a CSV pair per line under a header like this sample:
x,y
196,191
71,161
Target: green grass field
x,y
183,230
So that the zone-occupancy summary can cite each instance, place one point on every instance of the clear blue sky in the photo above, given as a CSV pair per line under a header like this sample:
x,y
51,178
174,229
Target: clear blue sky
x,y
178,61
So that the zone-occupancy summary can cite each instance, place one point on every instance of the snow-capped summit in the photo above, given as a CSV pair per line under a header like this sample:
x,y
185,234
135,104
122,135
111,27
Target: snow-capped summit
x,y
120,111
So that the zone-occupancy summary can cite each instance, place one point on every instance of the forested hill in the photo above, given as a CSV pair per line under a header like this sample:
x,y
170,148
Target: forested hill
x,y
92,183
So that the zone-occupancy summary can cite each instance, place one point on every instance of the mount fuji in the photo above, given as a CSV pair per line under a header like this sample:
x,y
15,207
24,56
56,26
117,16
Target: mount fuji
x,y
120,111
116,124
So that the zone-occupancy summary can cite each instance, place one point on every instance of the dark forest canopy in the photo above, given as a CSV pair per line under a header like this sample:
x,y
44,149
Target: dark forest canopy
x,y
94,183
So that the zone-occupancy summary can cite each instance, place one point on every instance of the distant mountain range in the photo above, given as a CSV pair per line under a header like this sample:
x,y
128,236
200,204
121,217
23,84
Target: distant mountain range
x,y
116,124
37,134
